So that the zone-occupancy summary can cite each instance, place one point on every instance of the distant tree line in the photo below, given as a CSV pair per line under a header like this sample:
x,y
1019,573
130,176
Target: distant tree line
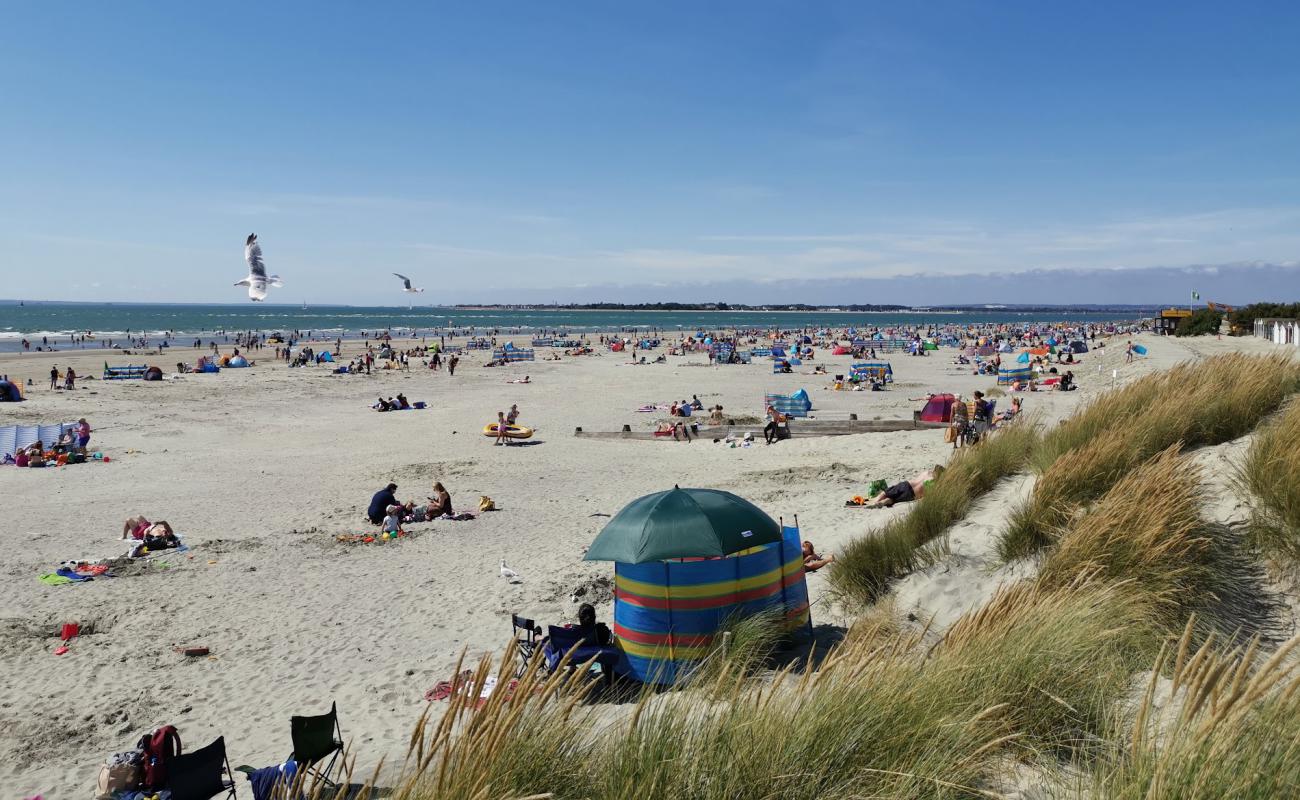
x,y
1245,316
705,307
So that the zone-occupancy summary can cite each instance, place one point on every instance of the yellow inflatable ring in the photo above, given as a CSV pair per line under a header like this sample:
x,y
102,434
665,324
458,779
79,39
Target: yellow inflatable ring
x,y
512,431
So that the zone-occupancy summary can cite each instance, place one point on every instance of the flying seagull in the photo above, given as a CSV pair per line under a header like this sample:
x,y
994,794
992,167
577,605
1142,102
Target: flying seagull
x,y
257,279
407,283
509,574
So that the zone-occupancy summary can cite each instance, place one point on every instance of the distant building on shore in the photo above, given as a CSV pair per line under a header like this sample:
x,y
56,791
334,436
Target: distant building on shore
x,y
1279,331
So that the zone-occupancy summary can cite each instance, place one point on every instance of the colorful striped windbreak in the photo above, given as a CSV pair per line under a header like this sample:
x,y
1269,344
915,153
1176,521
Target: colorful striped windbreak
x,y
1008,375
666,613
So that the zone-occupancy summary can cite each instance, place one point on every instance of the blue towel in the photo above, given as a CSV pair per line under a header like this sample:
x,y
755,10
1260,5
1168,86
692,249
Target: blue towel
x,y
72,575
266,779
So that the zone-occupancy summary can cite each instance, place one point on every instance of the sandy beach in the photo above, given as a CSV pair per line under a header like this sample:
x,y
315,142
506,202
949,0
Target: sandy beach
x,y
261,469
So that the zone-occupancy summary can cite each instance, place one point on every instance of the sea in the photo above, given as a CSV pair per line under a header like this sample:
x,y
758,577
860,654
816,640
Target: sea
x,y
55,324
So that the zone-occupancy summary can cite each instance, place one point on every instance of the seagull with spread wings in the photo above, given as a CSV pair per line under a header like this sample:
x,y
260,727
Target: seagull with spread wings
x,y
257,279
406,283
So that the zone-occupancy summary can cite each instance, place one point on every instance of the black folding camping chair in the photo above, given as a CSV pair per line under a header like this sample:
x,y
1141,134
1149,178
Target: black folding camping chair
x,y
202,774
314,740
528,636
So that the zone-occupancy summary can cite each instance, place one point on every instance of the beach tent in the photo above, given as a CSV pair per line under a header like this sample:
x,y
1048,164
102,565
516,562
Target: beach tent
x,y
1023,358
10,392
1008,374
667,613
13,437
938,408
326,356
687,562
153,374
1078,346
237,361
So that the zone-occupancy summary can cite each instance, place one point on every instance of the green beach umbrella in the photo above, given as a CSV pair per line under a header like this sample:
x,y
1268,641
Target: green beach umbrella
x,y
683,523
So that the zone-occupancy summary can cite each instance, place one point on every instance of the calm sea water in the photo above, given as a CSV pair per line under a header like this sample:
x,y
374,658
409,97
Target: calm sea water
x,y
58,321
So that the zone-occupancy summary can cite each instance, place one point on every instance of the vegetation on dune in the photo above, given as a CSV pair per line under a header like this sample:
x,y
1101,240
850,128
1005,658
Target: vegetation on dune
x,y
866,565
1148,529
1230,729
1202,322
1201,403
1271,473
1041,671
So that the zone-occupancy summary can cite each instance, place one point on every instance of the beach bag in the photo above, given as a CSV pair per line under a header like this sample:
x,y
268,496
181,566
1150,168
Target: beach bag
x,y
120,773
485,503
160,746
949,435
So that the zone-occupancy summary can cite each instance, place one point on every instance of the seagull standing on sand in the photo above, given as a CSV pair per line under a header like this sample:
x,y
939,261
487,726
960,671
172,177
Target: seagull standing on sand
x,y
407,284
257,279
509,574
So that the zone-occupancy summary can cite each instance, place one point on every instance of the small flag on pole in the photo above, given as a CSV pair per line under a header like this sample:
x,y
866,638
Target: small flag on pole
x,y
1196,295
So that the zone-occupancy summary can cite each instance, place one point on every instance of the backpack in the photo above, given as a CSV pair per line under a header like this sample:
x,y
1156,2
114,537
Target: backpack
x,y
160,746
120,773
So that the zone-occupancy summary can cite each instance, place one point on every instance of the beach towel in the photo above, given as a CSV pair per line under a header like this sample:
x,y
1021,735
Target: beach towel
x,y
51,579
460,516
265,781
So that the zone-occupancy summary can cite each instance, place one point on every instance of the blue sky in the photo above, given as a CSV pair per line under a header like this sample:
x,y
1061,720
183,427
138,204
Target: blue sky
x,y
530,152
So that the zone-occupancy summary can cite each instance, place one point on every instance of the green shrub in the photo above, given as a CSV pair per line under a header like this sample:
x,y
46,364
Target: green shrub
x,y
1202,322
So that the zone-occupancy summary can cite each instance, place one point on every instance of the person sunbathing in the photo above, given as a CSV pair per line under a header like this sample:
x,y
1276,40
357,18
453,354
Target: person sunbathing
x,y
812,561
402,402
141,528
382,405
905,491
715,416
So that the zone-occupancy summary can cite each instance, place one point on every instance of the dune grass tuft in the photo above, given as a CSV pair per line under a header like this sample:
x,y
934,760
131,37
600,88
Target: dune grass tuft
x,y
1148,530
865,567
1271,473
1230,729
1199,403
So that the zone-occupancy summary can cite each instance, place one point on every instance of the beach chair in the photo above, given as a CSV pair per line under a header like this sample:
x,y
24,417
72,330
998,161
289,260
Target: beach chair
x,y
561,641
314,739
202,774
528,635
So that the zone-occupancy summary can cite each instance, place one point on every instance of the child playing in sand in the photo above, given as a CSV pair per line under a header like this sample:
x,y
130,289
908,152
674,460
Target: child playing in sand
x,y
393,522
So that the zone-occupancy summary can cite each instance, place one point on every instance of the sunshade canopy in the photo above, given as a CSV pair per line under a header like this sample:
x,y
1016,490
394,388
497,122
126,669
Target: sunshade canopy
x,y
683,523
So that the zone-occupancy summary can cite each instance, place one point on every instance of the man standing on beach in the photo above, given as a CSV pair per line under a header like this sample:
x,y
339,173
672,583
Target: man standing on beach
x,y
54,376
451,365
1128,353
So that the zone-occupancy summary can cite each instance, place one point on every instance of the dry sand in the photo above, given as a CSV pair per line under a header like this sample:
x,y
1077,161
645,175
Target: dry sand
x,y
259,469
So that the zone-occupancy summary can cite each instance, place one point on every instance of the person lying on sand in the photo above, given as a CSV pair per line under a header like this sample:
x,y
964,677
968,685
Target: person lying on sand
x,y
141,528
812,561
905,491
